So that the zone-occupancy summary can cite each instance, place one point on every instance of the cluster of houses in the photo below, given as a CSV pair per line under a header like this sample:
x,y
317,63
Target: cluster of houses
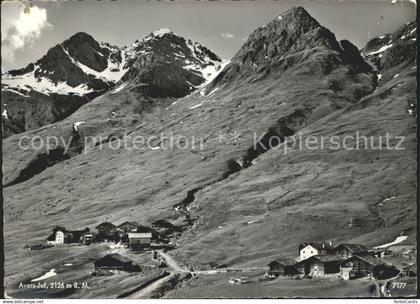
x,y
350,261
136,236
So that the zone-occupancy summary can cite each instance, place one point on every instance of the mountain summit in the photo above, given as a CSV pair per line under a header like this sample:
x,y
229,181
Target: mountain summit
x,y
292,39
79,65
167,65
74,72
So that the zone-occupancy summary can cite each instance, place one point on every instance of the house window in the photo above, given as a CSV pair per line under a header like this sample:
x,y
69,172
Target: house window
x,y
312,252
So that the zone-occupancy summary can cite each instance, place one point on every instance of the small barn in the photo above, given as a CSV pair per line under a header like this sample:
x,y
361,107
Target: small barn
x,y
319,265
116,261
77,236
410,270
365,265
105,228
282,268
348,250
139,240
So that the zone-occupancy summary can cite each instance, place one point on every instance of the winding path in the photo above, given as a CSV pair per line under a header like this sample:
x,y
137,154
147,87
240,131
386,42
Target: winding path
x,y
145,292
172,263
176,269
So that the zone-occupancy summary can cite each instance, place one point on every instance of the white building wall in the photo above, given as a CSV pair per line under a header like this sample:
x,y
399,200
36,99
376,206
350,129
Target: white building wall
x,y
307,252
59,237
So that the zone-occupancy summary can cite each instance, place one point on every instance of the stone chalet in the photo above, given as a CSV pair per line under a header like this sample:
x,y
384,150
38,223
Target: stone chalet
x,y
366,265
319,265
282,268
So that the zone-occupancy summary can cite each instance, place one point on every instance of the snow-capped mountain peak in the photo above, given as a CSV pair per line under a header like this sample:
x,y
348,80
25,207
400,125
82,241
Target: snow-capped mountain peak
x,y
169,62
79,69
79,65
161,32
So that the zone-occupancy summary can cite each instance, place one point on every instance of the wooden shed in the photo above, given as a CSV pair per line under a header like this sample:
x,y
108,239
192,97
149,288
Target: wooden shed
x,y
116,261
105,230
410,270
282,268
365,265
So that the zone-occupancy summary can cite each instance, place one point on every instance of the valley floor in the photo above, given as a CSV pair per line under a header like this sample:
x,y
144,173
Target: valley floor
x,y
216,286
71,264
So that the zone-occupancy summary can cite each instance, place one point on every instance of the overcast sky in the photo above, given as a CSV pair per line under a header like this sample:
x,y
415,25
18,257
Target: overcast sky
x,y
221,26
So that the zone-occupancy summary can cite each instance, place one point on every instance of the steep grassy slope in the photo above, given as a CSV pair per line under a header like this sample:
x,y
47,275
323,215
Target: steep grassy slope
x,y
322,194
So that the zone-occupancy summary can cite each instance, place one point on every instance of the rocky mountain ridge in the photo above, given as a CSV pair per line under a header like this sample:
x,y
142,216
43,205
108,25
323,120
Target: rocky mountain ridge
x,y
79,69
289,41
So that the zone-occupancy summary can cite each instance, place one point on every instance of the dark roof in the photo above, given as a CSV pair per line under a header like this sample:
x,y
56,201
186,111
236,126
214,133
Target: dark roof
x,y
283,262
354,248
128,222
329,258
369,259
77,231
141,228
324,259
51,237
117,257
378,250
106,224
60,228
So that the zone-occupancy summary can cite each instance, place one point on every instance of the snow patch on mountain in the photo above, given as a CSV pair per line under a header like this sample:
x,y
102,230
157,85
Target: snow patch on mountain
x,y
209,72
4,114
77,124
28,82
119,88
196,106
382,49
161,32
398,240
23,84
112,73
7,89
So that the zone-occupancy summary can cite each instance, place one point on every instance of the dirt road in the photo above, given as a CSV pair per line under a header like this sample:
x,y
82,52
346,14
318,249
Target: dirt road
x,y
172,263
182,269
146,292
